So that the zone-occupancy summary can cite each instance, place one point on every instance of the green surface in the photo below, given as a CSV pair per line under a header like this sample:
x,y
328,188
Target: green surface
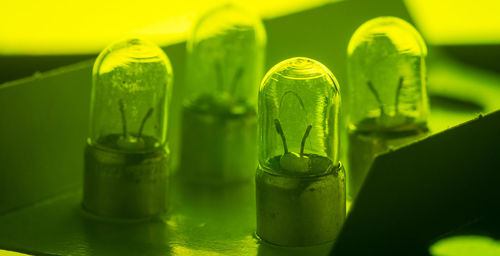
x,y
216,221
11,253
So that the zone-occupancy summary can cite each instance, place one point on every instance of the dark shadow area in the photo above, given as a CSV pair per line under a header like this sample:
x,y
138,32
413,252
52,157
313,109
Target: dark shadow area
x,y
17,67
419,193
449,103
481,56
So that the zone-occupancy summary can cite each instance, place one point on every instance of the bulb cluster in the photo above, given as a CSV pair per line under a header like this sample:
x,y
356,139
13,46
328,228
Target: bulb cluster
x,y
293,139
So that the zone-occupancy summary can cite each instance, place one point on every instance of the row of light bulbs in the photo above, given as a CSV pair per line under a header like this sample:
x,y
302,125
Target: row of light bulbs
x,y
300,182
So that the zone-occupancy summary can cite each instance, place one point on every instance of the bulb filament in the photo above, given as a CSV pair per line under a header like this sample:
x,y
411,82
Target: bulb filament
x,y
124,120
398,92
377,97
236,79
281,133
150,111
279,129
303,143
220,77
379,101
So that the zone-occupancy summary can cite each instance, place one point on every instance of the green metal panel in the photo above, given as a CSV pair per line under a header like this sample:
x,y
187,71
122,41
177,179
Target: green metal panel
x,y
425,190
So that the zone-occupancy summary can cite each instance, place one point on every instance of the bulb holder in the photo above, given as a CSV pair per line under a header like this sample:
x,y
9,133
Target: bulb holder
x,y
218,149
300,210
121,185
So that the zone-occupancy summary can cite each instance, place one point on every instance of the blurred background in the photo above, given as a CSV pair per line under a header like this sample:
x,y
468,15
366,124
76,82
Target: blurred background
x,y
36,36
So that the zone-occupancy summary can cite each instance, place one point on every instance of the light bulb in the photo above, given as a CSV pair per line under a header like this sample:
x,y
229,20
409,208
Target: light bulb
x,y
126,158
387,98
300,183
225,58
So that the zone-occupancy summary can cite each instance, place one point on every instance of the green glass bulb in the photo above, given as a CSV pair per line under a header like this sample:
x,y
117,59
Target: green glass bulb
x,y
387,97
300,183
225,59
126,159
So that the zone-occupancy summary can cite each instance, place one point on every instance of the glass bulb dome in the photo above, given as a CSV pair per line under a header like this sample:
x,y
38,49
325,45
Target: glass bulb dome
x,y
298,118
129,98
225,54
387,78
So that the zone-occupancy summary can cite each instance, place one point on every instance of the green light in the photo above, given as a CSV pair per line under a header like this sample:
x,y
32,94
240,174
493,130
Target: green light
x,y
225,55
10,253
125,158
300,183
387,95
465,245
